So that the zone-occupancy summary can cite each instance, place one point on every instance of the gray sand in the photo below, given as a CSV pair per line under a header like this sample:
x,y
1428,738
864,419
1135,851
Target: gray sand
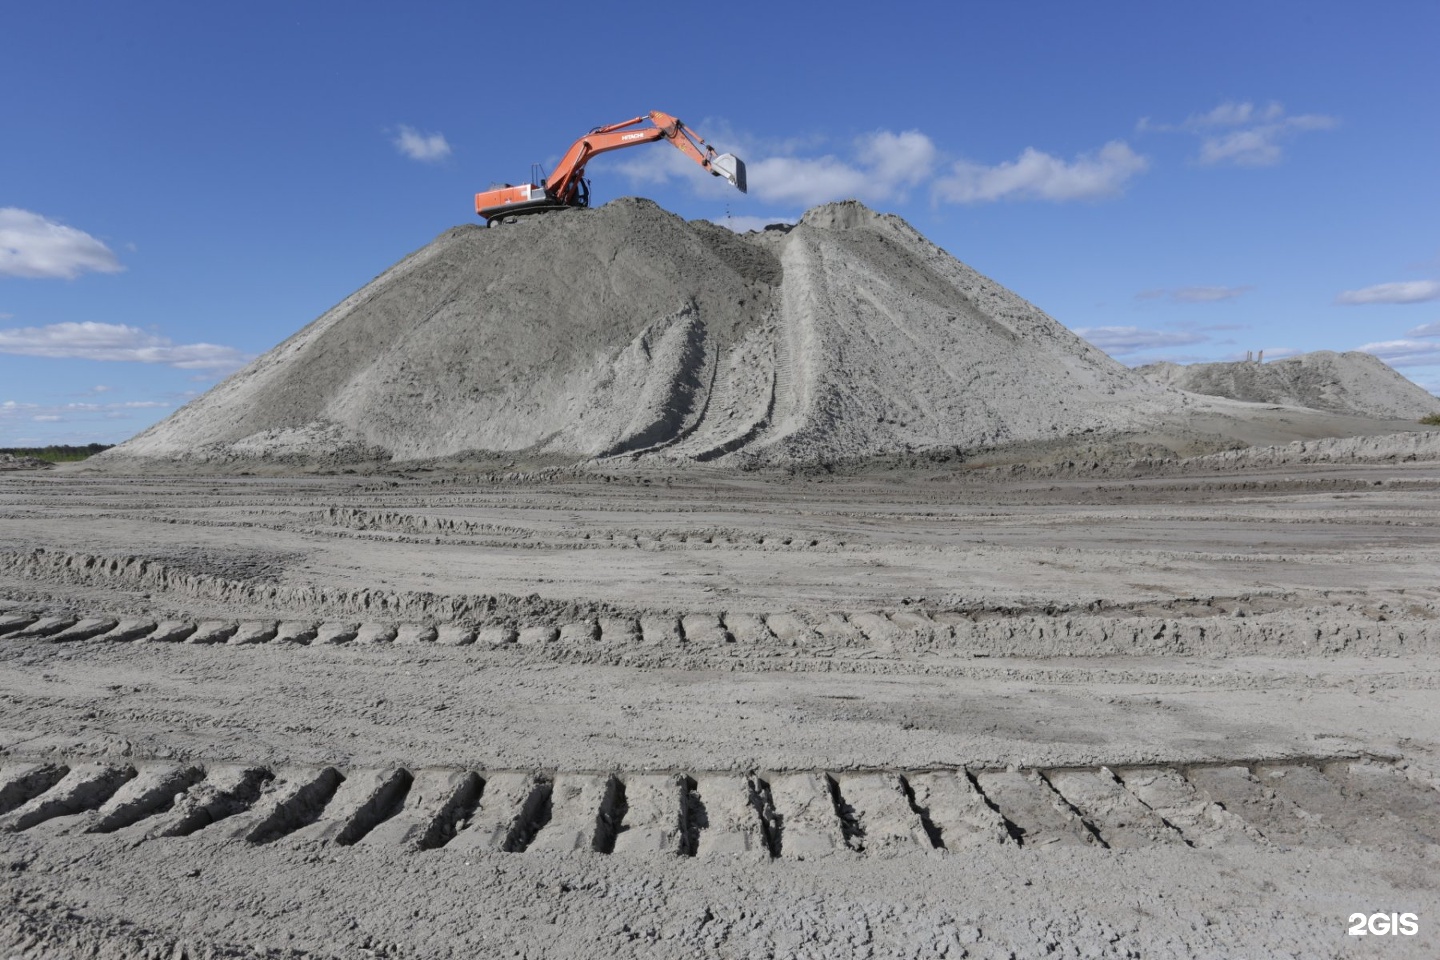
x,y
1353,383
626,330
1185,712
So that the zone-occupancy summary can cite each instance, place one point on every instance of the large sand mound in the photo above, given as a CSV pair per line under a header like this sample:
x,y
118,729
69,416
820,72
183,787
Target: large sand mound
x,y
625,330
1352,383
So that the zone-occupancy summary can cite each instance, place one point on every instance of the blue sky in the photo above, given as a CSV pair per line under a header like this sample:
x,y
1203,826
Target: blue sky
x,y
183,185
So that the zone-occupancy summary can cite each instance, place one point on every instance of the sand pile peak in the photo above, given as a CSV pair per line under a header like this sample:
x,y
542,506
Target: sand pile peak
x,y
1353,383
626,331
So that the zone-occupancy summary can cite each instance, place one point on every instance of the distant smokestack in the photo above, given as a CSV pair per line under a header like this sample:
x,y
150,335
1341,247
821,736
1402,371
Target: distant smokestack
x,y
1261,358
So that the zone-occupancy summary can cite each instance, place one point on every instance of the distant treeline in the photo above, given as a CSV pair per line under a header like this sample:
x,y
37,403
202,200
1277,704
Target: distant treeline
x,y
58,454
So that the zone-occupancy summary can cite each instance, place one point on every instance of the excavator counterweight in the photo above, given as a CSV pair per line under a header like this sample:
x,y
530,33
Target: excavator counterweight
x,y
567,187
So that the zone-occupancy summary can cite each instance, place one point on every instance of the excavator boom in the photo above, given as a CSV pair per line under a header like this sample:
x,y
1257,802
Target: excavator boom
x,y
566,186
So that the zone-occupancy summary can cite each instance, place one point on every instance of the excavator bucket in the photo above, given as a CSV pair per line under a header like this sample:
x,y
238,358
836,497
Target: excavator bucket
x,y
730,167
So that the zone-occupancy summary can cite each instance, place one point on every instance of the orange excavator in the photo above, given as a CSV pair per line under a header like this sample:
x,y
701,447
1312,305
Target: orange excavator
x,y
567,187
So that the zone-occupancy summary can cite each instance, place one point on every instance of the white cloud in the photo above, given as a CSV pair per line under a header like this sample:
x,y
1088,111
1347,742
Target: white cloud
x,y
1209,294
747,223
425,147
1195,294
114,341
1425,330
1231,114
1126,340
33,246
1406,291
1258,146
898,159
880,166
12,411
1243,134
1405,353
1244,148
1039,176
884,165
653,166
807,181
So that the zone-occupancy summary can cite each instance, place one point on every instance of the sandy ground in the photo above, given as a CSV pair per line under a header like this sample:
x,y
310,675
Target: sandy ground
x,y
1171,711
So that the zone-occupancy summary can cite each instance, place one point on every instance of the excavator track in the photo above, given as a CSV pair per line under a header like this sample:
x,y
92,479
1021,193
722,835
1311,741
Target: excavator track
x,y
509,212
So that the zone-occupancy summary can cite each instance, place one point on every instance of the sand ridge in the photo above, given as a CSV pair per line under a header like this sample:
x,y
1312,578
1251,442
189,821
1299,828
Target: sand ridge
x,y
625,330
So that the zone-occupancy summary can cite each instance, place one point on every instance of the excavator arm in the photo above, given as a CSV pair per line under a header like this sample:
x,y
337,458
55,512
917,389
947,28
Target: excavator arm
x,y
565,187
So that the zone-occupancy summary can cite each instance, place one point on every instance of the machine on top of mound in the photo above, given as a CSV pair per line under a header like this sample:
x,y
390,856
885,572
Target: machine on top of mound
x,y
567,187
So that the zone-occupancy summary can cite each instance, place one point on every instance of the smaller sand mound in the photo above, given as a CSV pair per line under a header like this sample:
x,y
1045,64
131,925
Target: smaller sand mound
x,y
1353,383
